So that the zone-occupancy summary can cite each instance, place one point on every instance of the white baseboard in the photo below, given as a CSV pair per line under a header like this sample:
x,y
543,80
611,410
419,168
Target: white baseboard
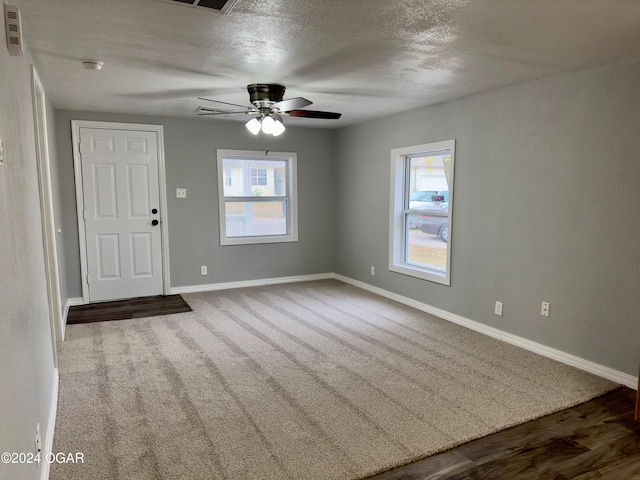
x,y
70,303
250,283
566,358
47,446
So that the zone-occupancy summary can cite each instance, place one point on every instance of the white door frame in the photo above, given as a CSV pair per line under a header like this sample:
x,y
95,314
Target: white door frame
x,y
46,211
76,125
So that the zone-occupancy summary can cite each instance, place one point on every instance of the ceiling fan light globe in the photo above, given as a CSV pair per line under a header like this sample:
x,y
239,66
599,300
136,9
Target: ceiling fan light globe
x,y
268,124
253,126
278,128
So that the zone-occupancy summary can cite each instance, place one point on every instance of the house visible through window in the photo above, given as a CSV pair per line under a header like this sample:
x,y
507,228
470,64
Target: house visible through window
x,y
422,200
258,201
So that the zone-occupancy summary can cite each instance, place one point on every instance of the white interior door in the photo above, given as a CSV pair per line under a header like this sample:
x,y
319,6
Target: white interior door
x,y
120,185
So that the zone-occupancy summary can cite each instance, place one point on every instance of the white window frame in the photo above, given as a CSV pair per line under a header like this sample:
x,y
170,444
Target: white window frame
x,y
291,198
399,210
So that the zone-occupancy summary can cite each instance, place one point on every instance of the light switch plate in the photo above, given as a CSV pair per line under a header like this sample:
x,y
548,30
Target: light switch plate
x,y
181,193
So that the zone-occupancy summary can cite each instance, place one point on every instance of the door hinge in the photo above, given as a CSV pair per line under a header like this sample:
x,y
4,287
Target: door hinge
x,y
87,279
84,214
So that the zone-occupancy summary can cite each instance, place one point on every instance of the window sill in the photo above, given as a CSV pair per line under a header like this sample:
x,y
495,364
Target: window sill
x,y
258,240
429,274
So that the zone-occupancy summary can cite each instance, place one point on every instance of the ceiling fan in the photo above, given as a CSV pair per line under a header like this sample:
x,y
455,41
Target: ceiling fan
x,y
269,108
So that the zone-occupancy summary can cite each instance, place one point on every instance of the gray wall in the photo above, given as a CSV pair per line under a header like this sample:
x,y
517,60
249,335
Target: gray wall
x,y
190,151
26,357
547,193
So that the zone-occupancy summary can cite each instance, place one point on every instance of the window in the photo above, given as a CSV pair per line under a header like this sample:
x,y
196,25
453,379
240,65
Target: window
x,y
421,211
258,203
258,176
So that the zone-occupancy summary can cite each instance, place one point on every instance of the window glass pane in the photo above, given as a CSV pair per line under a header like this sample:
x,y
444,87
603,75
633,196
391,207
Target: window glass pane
x,y
249,219
427,230
428,179
254,178
426,245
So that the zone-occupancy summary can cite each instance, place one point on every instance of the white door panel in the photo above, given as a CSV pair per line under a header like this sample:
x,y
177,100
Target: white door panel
x,y
138,191
105,196
108,257
102,143
121,189
141,255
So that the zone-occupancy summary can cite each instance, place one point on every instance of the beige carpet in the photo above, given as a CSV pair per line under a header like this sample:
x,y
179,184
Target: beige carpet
x,y
316,380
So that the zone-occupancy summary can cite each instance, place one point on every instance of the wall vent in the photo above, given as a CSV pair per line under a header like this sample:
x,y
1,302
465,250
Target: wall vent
x,y
220,5
14,30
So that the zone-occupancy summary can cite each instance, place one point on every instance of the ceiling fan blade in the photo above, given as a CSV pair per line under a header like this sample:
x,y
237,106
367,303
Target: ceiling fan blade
x,y
218,113
215,111
225,103
291,103
205,112
314,114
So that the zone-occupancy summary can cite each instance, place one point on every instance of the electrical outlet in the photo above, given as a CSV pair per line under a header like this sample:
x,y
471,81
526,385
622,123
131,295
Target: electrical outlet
x,y
203,270
181,193
498,310
544,309
373,271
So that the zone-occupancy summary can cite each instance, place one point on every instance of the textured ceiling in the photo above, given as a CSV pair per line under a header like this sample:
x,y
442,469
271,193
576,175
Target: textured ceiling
x,y
364,58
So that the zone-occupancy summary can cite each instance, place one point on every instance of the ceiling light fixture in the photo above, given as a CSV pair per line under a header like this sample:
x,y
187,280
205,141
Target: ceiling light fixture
x,y
254,126
266,124
278,128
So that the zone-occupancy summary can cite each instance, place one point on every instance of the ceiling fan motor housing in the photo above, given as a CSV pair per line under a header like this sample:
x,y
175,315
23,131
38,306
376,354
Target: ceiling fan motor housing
x,y
265,94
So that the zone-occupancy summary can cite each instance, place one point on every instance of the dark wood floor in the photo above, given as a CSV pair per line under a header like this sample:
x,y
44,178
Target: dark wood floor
x,y
127,309
599,439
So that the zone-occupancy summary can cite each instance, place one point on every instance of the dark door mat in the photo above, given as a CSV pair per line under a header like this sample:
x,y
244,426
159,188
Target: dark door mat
x,y
127,309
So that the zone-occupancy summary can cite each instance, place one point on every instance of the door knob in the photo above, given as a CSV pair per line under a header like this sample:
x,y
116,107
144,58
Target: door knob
x,y
154,222
154,211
